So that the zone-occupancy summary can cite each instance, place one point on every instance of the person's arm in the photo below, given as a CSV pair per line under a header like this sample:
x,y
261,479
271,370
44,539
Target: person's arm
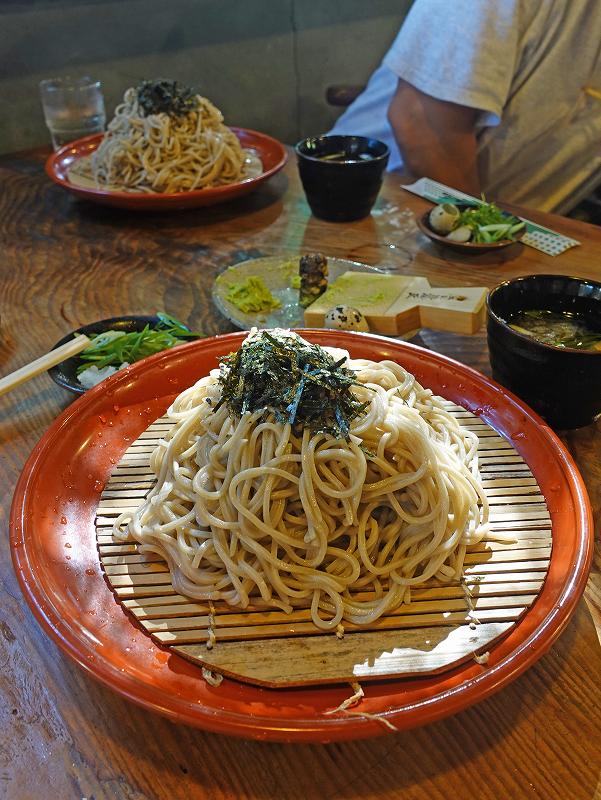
x,y
436,138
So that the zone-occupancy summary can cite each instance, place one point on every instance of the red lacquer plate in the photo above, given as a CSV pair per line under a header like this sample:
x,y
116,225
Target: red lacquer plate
x,y
271,152
54,553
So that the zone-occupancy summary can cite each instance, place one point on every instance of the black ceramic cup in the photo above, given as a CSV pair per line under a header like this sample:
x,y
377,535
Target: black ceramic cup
x,y
341,175
562,384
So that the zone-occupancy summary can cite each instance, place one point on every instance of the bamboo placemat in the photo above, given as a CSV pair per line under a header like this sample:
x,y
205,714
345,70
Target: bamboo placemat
x,y
442,626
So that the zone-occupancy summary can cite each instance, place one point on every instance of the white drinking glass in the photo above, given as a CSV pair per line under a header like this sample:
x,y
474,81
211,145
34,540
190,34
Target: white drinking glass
x,y
73,108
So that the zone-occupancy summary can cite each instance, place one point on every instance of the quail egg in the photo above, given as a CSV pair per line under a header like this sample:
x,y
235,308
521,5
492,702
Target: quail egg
x,y
345,318
461,234
443,218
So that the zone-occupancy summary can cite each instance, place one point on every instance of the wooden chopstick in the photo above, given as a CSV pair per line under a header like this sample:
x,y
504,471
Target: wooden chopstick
x,y
43,363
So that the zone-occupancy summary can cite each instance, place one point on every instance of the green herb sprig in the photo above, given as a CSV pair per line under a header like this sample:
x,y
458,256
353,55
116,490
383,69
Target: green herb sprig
x,y
300,382
113,348
488,223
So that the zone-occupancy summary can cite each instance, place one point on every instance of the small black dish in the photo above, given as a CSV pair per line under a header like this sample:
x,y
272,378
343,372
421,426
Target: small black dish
x,y
562,384
65,373
341,175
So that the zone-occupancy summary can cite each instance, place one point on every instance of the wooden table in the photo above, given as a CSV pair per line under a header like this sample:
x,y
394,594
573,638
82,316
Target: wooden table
x,y
62,735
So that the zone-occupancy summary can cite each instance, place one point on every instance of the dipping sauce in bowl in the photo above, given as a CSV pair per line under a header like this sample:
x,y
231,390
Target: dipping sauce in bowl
x,y
557,328
344,158
341,175
544,342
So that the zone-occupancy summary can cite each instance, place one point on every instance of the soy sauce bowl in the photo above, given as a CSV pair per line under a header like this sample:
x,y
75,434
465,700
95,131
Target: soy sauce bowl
x,y
341,175
65,373
562,384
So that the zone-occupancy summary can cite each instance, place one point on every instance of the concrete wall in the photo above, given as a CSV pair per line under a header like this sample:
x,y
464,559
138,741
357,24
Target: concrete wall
x,y
265,63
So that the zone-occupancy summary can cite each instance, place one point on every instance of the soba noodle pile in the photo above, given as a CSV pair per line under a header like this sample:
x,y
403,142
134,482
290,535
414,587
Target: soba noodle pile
x,y
257,508
184,147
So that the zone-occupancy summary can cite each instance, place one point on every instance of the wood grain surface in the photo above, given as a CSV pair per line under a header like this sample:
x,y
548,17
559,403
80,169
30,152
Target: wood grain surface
x,y
64,263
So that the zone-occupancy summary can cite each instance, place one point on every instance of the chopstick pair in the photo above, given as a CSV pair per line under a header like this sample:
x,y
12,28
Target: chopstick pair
x,y
43,363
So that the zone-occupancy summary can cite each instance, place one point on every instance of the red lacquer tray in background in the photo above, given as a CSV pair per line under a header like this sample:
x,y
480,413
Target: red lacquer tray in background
x,y
271,152
54,552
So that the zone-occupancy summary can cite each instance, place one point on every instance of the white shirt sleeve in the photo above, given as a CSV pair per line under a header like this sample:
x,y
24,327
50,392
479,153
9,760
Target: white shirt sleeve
x,y
460,51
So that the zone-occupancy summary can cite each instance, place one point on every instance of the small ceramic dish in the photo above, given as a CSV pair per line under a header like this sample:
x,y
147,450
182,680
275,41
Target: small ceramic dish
x,y
65,373
563,384
277,273
475,248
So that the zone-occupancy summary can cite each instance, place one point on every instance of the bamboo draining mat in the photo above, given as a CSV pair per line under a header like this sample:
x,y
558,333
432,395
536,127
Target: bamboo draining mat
x,y
442,626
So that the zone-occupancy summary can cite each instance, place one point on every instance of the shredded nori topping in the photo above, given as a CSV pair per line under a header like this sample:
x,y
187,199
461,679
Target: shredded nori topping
x,y
299,382
165,96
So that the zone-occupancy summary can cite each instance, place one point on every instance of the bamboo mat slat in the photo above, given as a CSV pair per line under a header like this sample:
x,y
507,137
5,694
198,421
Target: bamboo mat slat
x,y
442,626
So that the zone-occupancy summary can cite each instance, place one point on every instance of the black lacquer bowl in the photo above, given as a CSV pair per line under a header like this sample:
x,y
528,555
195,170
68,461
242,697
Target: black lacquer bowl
x,y
562,384
341,175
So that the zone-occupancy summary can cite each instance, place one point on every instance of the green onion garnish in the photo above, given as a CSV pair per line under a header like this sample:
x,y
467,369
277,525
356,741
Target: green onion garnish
x,y
113,348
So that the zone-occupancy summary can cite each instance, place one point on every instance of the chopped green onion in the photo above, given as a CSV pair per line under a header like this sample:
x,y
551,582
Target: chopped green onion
x,y
488,223
113,348
500,227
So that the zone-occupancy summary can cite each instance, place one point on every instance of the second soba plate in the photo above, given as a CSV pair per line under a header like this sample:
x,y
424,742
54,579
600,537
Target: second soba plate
x,y
271,153
55,555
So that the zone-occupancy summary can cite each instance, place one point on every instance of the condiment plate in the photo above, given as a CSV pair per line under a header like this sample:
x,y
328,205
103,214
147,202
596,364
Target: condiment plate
x,y
469,248
65,373
277,273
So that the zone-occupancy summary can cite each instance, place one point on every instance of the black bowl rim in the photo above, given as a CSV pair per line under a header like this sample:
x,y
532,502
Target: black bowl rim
x,y
90,327
374,159
550,347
